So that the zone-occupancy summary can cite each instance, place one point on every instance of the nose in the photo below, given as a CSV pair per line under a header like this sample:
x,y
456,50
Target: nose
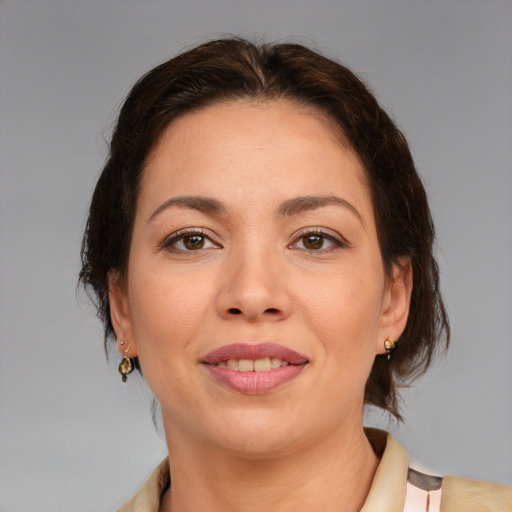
x,y
254,288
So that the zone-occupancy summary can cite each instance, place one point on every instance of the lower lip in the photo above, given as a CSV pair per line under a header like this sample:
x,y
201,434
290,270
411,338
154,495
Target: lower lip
x,y
254,383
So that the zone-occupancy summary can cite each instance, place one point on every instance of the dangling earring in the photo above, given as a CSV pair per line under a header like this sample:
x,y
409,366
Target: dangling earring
x,y
389,345
127,364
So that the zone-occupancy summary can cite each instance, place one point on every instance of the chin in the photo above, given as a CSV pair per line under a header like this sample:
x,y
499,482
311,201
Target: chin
x,y
259,435
261,446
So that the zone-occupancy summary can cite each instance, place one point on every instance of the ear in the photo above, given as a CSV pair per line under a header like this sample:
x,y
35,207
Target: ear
x,y
120,314
395,303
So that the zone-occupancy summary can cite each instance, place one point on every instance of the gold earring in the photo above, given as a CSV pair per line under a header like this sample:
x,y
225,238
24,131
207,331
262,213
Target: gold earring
x,y
127,364
389,345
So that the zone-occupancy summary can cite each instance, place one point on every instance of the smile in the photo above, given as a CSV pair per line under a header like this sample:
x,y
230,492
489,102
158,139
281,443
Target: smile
x,y
250,365
254,369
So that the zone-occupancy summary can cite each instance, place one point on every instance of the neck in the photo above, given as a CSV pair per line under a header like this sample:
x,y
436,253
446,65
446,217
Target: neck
x,y
334,474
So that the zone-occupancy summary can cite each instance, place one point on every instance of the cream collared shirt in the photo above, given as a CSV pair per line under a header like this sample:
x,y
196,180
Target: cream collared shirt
x,y
395,488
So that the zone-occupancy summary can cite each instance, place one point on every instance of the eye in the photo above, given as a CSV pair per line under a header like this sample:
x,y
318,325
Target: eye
x,y
317,241
313,242
188,241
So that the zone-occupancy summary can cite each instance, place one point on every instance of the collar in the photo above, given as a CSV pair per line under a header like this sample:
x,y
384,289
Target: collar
x,y
148,498
390,481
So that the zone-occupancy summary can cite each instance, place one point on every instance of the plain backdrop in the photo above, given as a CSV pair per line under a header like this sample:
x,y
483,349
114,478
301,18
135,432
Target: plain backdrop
x,y
72,436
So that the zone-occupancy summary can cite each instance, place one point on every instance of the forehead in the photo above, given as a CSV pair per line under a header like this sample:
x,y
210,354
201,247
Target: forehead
x,y
249,115
253,146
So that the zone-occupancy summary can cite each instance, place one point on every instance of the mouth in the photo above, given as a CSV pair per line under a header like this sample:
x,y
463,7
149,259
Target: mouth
x,y
254,369
264,364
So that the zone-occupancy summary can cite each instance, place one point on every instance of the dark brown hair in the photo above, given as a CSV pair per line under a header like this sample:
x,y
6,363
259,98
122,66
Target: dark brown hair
x,y
230,69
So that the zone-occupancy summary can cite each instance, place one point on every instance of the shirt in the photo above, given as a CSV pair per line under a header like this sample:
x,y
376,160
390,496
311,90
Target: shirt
x,y
395,487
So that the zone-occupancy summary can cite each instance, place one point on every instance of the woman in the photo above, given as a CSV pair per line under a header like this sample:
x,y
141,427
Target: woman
x,y
260,246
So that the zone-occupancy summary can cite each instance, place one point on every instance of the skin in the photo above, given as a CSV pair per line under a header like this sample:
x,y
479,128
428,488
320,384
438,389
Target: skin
x,y
256,276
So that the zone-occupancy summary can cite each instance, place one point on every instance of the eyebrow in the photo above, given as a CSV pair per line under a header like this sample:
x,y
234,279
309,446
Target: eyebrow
x,y
306,203
288,208
200,203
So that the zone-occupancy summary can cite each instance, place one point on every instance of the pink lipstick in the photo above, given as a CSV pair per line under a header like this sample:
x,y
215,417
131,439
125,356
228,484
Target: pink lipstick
x,y
254,369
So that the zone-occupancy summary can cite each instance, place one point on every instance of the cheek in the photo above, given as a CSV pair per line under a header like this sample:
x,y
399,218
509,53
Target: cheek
x,y
167,312
343,310
167,316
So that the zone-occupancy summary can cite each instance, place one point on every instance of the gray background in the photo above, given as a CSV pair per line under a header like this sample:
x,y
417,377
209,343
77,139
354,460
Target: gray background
x,y
72,437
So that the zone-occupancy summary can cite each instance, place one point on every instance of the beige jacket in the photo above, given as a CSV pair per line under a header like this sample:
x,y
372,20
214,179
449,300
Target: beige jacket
x,y
395,488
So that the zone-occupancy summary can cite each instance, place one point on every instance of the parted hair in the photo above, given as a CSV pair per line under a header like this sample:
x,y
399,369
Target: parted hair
x,y
233,69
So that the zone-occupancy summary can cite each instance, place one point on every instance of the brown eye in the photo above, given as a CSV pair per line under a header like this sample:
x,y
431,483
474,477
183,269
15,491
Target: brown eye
x,y
318,242
193,242
313,242
188,241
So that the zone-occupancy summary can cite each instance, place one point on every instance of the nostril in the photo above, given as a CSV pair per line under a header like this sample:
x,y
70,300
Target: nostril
x,y
272,311
234,311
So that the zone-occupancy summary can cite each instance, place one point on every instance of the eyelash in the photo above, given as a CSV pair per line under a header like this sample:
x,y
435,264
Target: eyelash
x,y
180,235
338,243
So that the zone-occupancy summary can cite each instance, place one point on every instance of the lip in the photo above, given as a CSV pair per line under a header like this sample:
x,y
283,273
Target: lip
x,y
256,351
254,383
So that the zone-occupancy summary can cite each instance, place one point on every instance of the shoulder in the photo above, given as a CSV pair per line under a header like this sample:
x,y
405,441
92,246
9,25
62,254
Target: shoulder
x,y
405,489
148,498
462,494
455,494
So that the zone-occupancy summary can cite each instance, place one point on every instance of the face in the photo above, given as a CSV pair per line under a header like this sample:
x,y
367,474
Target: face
x,y
255,296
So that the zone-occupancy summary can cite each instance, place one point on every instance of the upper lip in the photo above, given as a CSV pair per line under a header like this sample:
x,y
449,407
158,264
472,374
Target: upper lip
x,y
253,351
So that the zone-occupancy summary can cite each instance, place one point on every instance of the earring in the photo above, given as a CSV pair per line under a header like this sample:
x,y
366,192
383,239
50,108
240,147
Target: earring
x,y
127,364
389,345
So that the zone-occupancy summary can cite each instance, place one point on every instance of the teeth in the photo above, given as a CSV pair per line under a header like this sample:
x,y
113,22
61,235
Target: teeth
x,y
245,365
275,362
262,365
249,365
233,364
